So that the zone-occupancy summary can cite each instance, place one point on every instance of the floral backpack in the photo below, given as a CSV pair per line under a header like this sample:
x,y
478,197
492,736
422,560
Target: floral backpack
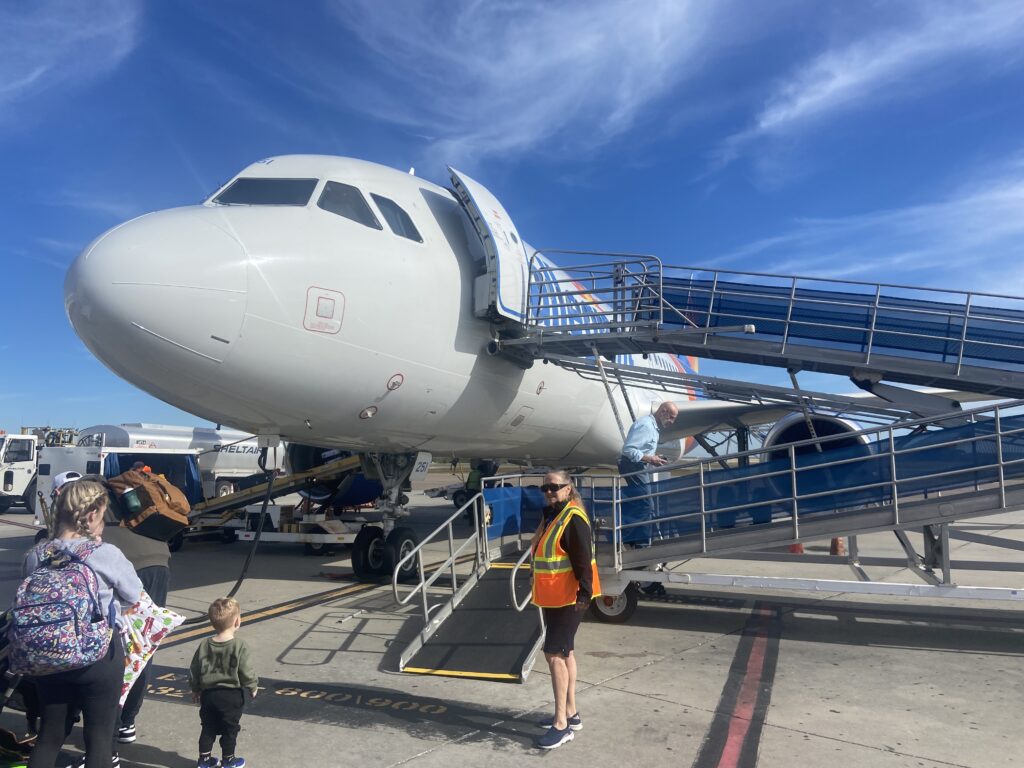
x,y
56,620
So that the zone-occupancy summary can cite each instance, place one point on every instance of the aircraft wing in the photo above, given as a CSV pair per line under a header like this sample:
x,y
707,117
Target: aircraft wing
x,y
697,417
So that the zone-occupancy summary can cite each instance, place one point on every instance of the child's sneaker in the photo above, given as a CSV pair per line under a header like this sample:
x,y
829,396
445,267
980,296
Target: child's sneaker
x,y
234,762
126,733
208,762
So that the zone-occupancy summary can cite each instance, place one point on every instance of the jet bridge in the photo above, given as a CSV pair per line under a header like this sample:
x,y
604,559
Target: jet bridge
x,y
867,331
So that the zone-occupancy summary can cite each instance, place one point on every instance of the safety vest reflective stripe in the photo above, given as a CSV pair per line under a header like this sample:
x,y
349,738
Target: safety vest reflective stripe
x,y
554,582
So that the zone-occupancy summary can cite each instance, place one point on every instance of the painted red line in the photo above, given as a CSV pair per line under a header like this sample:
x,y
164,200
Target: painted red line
x,y
743,712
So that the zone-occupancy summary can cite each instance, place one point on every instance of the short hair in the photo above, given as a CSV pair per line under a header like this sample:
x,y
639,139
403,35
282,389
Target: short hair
x,y
75,503
223,611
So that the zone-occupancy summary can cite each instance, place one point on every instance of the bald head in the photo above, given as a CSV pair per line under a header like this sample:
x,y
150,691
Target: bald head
x,y
666,415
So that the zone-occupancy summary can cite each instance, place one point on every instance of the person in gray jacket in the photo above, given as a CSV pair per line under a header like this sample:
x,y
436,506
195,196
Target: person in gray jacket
x,y
151,559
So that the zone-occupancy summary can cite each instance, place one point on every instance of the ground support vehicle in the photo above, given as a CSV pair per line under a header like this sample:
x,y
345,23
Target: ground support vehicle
x,y
17,467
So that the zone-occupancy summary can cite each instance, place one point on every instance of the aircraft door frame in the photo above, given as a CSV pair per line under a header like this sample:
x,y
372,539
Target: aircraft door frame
x,y
507,263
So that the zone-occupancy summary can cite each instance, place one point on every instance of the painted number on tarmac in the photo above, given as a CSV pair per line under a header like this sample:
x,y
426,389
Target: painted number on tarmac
x,y
380,702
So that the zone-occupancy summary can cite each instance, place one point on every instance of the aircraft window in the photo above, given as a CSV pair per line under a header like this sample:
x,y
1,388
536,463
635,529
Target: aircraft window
x,y
397,218
347,201
253,191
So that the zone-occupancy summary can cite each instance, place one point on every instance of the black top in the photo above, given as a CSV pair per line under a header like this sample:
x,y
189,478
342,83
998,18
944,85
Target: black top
x,y
577,544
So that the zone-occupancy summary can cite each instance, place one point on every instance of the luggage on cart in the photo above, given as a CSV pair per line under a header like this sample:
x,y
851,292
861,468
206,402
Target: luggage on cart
x,y
150,504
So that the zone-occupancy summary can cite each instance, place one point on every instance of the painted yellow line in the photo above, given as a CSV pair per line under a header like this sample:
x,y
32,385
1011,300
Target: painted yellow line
x,y
457,673
277,609
510,566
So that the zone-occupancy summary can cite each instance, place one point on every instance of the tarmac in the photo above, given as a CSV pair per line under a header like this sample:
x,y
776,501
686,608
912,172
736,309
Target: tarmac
x,y
709,678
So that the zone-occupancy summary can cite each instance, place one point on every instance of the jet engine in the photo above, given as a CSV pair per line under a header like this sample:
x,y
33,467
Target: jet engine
x,y
793,429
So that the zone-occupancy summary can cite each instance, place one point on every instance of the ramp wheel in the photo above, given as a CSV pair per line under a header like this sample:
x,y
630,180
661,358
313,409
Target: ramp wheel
x,y
400,542
615,609
368,553
459,498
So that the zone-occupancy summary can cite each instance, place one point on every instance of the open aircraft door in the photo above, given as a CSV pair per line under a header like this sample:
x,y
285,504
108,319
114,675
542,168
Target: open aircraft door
x,y
502,291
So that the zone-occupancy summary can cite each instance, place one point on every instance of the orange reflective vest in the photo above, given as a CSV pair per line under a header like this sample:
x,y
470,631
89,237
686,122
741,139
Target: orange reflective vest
x,y
554,583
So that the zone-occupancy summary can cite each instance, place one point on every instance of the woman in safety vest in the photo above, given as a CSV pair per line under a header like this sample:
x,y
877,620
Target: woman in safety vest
x,y
564,582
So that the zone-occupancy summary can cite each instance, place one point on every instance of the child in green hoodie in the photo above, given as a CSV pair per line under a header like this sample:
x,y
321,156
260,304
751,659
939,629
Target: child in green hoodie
x,y
221,669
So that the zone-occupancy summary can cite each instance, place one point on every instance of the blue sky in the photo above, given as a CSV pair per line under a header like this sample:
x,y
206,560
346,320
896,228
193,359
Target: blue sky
x,y
871,141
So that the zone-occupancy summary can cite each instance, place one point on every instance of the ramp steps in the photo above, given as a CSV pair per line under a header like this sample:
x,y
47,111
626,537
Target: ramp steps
x,y
484,637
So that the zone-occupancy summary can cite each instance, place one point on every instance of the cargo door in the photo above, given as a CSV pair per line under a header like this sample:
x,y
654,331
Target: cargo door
x,y
502,291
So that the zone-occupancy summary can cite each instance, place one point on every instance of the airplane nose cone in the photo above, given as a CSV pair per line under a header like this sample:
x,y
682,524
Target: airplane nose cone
x,y
159,294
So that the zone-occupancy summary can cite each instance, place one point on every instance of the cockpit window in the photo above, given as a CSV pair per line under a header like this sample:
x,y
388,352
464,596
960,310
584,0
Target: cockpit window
x,y
259,191
396,217
345,200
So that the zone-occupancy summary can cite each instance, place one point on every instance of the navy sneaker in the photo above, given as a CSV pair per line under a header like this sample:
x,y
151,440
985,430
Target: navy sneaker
x,y
554,738
575,722
208,762
126,733
234,762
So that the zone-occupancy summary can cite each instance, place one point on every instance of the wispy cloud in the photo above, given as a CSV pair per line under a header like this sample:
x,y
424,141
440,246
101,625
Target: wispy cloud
x,y
52,43
483,79
887,63
976,230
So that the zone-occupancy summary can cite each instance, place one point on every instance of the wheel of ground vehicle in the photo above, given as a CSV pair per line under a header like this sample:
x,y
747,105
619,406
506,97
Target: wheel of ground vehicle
x,y
228,535
368,558
6,502
399,543
460,497
29,498
317,548
176,541
41,535
615,609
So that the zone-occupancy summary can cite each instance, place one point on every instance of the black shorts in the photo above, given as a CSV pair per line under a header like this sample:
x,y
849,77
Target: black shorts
x,y
561,624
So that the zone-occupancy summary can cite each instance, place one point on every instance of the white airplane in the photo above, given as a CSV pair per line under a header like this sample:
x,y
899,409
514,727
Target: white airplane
x,y
339,303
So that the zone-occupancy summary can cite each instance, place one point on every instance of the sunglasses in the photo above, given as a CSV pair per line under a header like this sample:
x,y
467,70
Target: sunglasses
x,y
553,487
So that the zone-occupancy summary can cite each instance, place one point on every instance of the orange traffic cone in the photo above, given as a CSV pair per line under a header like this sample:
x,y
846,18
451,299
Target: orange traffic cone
x,y
796,549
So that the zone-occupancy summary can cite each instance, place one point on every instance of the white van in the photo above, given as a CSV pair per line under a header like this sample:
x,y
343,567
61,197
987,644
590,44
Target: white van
x,y
17,466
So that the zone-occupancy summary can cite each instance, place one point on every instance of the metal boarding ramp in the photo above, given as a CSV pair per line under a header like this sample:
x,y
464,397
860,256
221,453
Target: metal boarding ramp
x,y
470,625
911,476
920,475
867,331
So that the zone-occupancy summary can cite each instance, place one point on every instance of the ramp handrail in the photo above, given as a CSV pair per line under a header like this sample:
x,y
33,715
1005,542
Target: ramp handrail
x,y
520,606
480,555
883,467
606,295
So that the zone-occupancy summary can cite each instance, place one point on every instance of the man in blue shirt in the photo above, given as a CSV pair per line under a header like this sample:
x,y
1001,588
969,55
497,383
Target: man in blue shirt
x,y
638,458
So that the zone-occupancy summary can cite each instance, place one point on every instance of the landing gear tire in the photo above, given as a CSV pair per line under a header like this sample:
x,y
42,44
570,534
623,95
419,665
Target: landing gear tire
x,y
368,560
459,498
615,609
176,541
399,543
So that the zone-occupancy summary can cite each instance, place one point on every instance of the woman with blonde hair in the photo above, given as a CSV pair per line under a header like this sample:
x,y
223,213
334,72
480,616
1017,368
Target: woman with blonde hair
x,y
96,688
564,582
